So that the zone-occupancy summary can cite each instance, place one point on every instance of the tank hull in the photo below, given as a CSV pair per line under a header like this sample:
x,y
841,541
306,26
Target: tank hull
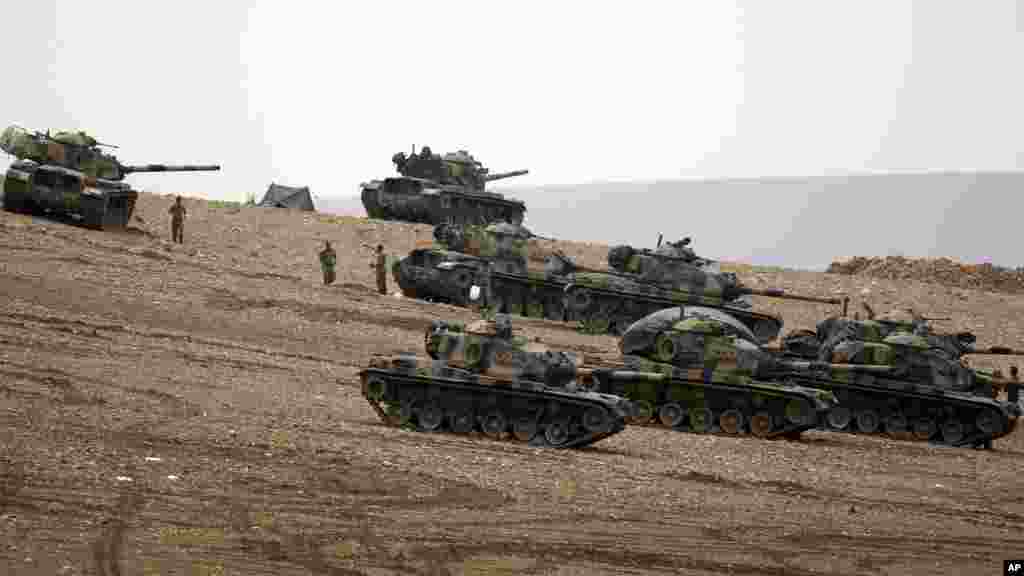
x,y
620,306
707,401
101,204
877,405
419,201
429,397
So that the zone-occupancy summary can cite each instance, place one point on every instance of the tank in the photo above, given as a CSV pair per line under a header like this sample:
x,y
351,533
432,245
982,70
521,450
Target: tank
x,y
641,282
482,378
926,393
699,369
68,173
512,271
434,189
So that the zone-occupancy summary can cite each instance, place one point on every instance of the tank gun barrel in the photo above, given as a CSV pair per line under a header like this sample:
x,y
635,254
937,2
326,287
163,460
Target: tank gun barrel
x,y
815,365
171,168
997,351
778,293
502,175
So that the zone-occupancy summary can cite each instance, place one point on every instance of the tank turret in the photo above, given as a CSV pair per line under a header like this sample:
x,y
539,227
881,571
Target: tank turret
x,y
666,281
79,151
489,347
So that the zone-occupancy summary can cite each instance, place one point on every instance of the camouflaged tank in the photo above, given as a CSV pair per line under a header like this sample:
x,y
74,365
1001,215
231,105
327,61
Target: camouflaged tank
x,y
433,189
698,369
67,173
483,378
641,282
926,394
510,268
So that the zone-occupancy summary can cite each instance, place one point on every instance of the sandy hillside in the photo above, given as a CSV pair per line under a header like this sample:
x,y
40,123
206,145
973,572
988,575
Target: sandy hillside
x,y
194,409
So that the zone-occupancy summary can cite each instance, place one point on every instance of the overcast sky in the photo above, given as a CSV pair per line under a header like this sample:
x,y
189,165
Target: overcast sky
x,y
322,94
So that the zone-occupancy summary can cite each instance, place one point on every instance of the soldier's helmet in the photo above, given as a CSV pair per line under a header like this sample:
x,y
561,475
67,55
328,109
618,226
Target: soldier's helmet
x,y
398,158
425,152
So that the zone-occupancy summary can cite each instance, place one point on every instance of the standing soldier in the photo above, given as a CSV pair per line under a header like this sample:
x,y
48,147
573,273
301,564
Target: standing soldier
x,y
997,383
177,212
382,270
328,259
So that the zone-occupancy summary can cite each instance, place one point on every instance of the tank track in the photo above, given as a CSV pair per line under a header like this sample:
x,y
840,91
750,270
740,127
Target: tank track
x,y
458,208
699,401
874,405
445,398
620,309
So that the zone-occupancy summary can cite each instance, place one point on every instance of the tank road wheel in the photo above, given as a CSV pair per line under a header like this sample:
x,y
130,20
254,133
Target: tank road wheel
x,y
700,419
952,431
462,421
924,428
375,388
495,424
731,421
430,417
988,422
867,421
643,412
557,432
761,424
596,420
461,282
895,422
406,410
524,429
580,300
839,417
799,412
671,414
664,348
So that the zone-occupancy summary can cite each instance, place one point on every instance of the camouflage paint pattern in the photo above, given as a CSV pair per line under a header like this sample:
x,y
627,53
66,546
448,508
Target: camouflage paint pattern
x,y
483,378
433,189
927,392
68,173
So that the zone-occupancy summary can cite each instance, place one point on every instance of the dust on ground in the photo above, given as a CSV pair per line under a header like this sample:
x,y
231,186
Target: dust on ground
x,y
194,409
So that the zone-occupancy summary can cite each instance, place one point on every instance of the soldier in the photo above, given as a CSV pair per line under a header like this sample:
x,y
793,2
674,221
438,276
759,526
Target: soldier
x,y
997,383
382,270
328,258
177,212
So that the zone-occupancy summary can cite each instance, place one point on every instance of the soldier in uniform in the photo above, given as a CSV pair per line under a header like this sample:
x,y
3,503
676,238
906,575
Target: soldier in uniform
x,y
997,385
177,212
382,270
328,258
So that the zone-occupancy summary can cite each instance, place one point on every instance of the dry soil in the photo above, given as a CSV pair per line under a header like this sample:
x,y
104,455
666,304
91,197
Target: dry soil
x,y
194,409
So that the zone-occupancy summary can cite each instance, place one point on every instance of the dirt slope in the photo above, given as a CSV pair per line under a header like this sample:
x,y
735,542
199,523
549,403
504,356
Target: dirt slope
x,y
194,410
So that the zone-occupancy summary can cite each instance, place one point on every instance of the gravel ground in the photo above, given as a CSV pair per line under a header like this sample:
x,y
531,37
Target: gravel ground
x,y
194,409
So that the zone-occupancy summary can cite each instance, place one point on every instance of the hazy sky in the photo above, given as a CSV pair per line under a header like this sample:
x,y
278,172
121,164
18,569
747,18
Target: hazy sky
x,y
322,94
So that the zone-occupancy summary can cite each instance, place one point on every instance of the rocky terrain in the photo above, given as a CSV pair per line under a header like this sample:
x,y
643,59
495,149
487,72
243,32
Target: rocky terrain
x,y
195,409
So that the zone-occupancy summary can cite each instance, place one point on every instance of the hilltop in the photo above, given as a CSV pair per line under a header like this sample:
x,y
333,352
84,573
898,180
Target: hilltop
x,y
196,409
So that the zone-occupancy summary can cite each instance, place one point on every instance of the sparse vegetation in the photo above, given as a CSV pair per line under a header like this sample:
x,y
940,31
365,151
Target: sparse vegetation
x,y
223,204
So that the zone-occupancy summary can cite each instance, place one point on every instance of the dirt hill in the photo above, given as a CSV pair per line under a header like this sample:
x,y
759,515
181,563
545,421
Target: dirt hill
x,y
945,271
195,409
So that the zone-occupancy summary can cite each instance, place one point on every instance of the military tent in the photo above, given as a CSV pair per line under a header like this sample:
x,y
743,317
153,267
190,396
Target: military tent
x,y
278,196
